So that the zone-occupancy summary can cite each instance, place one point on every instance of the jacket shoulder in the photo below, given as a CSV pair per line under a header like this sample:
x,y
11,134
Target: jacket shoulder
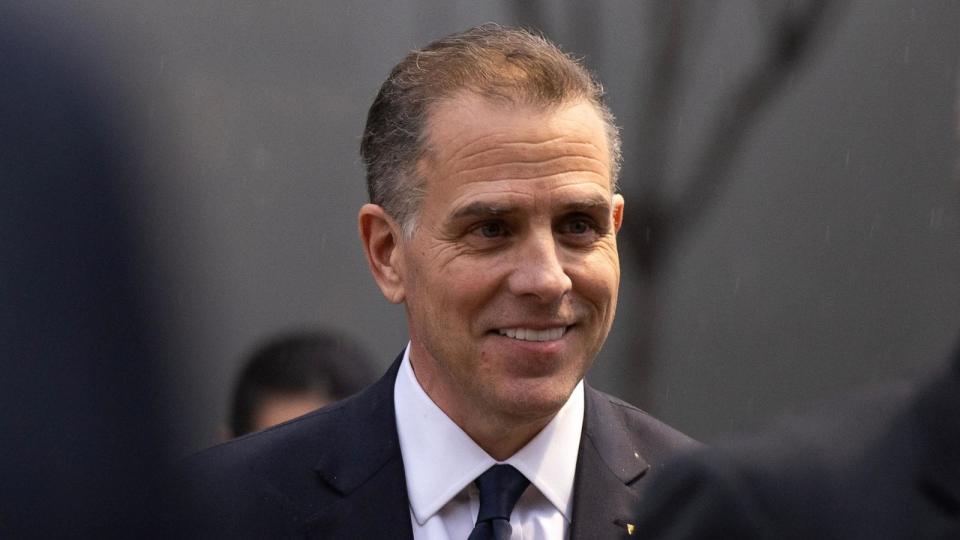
x,y
265,482
657,441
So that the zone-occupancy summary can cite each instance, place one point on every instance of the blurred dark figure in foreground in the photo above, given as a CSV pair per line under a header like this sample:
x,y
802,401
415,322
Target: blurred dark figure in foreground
x,y
294,374
886,466
82,448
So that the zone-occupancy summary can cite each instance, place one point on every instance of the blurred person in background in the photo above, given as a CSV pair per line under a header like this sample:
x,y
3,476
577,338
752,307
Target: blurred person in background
x,y
293,374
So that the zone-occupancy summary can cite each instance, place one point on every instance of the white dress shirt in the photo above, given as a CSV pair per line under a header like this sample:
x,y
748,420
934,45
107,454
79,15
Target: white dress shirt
x,y
441,462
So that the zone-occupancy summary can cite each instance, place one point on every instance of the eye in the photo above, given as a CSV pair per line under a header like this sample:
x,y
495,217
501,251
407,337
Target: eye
x,y
580,230
491,229
579,226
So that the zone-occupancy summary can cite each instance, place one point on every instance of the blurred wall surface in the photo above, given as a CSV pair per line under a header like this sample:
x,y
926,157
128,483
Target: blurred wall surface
x,y
831,260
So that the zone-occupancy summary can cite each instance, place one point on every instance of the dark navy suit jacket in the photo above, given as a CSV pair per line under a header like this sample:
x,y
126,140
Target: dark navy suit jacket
x,y
338,472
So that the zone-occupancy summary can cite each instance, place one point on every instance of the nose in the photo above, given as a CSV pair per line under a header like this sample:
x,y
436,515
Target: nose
x,y
539,270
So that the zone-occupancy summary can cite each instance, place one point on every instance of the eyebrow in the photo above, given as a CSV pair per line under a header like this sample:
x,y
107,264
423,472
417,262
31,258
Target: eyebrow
x,y
480,208
590,203
488,209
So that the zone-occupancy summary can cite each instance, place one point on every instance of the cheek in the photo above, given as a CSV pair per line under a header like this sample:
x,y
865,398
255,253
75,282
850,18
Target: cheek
x,y
468,299
456,296
470,281
597,281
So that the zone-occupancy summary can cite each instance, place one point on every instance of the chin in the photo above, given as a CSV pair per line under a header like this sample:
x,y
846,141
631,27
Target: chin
x,y
532,404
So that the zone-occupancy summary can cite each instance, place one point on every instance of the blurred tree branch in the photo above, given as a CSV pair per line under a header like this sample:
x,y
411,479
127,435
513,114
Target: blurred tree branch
x,y
658,221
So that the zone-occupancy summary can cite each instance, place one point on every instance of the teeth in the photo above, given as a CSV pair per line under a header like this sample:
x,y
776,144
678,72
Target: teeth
x,y
529,334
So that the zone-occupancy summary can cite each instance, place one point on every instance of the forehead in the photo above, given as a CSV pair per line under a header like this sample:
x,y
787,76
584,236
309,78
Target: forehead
x,y
474,144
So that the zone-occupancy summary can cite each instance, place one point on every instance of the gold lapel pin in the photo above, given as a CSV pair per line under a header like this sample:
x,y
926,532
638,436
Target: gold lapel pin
x,y
626,524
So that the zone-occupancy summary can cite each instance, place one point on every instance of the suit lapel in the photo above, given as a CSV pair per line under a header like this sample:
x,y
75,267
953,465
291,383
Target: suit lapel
x,y
609,464
365,470
367,494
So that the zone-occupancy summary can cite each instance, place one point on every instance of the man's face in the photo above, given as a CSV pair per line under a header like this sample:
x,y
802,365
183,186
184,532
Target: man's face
x,y
510,278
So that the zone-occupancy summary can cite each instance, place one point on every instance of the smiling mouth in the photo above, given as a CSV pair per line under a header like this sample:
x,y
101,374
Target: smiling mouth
x,y
529,334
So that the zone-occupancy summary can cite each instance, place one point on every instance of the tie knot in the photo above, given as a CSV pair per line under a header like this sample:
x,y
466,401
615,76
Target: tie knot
x,y
500,489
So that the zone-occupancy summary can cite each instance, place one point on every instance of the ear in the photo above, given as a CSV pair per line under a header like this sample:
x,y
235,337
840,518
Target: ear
x,y
380,236
617,211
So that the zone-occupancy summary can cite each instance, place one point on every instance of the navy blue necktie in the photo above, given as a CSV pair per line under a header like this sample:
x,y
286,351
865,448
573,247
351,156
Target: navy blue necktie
x,y
500,489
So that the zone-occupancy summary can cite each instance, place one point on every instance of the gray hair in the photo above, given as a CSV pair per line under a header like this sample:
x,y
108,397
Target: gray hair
x,y
500,63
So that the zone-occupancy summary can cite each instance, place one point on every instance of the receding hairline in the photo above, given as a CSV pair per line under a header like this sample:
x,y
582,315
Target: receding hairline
x,y
466,97
509,66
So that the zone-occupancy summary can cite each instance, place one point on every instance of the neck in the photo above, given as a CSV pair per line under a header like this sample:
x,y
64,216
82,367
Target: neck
x,y
498,433
501,442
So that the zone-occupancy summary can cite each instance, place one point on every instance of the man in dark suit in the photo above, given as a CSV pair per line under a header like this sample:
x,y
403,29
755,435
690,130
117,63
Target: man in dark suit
x,y
884,465
491,165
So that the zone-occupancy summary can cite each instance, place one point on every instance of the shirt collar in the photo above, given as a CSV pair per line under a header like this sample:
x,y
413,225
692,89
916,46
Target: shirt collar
x,y
440,459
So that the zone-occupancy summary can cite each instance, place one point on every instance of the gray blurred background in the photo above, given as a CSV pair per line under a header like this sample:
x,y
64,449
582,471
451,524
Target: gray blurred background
x,y
822,253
